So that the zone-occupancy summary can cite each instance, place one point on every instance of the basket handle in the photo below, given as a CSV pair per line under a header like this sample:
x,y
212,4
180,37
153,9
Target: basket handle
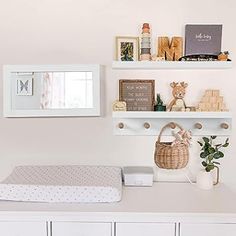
x,y
171,125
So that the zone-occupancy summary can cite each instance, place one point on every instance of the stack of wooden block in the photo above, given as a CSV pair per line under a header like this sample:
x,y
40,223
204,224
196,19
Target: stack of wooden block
x,y
212,101
145,43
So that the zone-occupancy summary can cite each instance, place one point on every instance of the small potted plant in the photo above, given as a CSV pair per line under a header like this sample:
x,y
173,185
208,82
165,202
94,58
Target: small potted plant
x,y
210,155
159,104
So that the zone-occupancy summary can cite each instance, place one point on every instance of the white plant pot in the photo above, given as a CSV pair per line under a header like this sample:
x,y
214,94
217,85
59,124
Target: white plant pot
x,y
205,180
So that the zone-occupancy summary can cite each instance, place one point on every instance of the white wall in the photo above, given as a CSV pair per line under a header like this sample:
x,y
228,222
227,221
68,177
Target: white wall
x,y
72,31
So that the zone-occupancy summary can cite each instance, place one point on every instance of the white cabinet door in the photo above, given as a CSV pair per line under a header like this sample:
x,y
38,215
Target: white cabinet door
x,y
23,229
81,229
207,229
145,229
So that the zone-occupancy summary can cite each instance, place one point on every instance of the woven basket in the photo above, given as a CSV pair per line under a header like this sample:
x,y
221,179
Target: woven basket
x,y
171,157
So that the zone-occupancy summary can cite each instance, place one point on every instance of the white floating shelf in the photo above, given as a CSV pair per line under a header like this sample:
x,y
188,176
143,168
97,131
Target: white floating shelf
x,y
133,122
173,115
175,65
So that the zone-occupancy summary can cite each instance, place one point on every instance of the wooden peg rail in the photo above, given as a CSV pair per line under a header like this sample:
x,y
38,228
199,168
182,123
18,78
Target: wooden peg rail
x,y
150,123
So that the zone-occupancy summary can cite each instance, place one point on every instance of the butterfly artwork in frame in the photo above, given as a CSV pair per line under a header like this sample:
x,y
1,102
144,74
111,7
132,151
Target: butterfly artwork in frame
x,y
24,87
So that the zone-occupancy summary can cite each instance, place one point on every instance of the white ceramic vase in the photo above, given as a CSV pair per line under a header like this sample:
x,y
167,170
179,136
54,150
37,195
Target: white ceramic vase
x,y
205,180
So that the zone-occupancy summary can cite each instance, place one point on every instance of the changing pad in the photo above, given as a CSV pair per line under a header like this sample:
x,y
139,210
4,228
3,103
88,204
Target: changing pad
x,y
63,184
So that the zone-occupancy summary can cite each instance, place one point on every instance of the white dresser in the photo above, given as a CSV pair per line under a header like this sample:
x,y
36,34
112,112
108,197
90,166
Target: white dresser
x,y
166,209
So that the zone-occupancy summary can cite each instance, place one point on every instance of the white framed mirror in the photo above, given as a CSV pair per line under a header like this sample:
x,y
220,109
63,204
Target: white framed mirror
x,y
51,90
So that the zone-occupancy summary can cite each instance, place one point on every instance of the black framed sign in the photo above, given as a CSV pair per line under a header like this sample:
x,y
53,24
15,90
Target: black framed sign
x,y
138,94
203,39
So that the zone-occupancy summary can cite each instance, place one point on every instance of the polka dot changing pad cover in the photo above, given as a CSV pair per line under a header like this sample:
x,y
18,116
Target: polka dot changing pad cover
x,y
72,184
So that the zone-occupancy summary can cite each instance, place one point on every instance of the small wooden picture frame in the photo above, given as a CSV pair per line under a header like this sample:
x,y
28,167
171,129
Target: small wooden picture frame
x,y
139,95
127,48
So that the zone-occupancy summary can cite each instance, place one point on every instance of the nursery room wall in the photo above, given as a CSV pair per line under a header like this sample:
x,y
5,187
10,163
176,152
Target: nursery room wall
x,y
73,32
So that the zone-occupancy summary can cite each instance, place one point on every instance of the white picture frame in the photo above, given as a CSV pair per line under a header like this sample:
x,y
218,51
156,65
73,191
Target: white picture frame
x,y
132,46
9,83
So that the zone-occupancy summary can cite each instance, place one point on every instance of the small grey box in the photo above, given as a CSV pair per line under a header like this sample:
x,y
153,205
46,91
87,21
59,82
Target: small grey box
x,y
138,176
203,39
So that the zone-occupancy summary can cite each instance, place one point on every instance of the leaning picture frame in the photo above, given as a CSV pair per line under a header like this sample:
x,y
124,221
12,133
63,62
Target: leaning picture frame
x,y
137,94
127,48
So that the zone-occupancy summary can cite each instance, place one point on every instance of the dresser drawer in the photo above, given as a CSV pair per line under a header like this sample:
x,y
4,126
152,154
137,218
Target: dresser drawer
x,y
147,229
23,228
207,229
81,229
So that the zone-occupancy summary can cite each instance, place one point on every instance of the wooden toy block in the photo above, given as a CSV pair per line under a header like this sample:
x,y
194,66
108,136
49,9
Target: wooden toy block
x,y
205,99
160,59
220,99
216,93
207,106
213,100
208,93
201,105
220,105
224,106
176,108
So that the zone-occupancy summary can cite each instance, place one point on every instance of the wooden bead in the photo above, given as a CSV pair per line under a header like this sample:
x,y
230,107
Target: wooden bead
x,y
198,126
224,126
146,125
121,125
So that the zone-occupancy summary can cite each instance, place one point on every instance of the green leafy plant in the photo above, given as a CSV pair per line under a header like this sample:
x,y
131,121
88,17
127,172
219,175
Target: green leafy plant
x,y
210,152
159,100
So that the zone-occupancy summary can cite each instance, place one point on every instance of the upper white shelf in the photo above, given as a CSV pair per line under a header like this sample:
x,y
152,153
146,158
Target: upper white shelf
x,y
175,65
172,115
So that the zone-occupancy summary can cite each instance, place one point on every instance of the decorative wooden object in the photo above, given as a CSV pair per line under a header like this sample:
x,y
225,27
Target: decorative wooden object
x,y
171,51
212,101
119,106
156,58
138,94
178,92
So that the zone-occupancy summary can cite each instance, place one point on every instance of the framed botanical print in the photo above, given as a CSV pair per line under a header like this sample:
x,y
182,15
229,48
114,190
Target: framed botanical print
x,y
127,48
